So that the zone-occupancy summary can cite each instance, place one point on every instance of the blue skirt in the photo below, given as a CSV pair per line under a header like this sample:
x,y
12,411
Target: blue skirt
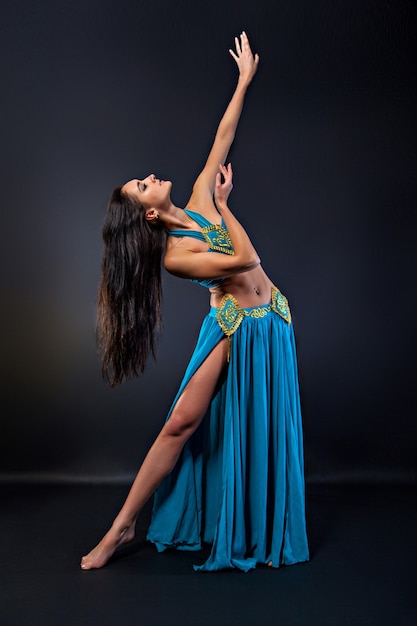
x,y
239,483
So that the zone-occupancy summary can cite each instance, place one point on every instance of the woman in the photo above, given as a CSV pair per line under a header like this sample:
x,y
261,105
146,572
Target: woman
x,y
234,479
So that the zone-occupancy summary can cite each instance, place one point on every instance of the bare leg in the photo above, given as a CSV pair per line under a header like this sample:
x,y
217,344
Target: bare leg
x,y
163,455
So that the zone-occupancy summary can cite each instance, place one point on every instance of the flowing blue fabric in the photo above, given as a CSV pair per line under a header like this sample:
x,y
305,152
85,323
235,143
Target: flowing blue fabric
x,y
239,483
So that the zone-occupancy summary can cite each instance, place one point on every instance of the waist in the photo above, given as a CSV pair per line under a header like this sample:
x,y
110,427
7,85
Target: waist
x,y
229,313
250,311
251,289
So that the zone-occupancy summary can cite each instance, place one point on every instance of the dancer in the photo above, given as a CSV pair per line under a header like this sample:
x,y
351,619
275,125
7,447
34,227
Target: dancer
x,y
227,466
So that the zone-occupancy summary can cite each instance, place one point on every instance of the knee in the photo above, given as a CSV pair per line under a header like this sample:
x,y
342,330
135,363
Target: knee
x,y
181,424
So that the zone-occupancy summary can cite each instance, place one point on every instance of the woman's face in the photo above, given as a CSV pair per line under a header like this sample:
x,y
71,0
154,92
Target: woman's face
x,y
151,192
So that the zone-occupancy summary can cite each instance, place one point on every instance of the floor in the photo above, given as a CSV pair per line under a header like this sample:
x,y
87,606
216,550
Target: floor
x,y
362,572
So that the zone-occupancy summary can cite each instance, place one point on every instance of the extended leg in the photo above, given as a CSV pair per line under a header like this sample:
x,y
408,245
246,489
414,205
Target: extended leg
x,y
163,455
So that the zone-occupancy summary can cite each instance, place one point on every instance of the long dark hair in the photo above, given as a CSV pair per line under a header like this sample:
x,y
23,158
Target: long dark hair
x,y
130,291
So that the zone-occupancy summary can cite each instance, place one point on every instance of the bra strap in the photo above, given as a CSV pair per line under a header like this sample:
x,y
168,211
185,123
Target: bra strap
x,y
198,219
196,234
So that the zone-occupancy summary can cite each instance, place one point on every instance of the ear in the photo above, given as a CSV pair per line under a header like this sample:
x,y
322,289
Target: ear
x,y
151,215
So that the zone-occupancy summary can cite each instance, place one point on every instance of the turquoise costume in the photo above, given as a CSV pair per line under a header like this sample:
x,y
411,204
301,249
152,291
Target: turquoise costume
x,y
239,483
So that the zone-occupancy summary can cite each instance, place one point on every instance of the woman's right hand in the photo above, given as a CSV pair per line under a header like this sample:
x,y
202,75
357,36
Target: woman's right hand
x,y
246,61
222,189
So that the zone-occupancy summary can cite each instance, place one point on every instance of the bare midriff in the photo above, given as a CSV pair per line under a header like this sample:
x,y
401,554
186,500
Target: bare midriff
x,y
251,288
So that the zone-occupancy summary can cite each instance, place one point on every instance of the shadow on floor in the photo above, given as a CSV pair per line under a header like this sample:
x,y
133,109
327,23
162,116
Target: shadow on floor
x,y
362,570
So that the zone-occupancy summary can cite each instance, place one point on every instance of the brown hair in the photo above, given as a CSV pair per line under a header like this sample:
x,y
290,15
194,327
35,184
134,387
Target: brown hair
x,y
130,291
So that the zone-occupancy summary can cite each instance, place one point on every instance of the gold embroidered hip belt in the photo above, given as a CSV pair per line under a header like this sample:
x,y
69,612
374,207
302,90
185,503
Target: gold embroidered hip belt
x,y
230,314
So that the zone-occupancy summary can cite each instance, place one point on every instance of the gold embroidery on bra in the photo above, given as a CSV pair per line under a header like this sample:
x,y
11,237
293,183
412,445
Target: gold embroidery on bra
x,y
218,239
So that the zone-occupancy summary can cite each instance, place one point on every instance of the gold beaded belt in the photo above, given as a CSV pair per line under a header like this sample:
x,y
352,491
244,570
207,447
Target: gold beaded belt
x,y
230,314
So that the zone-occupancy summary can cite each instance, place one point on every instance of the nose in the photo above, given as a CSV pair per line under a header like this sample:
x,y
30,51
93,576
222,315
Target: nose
x,y
153,178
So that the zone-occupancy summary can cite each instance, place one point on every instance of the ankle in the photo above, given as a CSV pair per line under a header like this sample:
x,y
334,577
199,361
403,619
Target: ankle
x,y
121,526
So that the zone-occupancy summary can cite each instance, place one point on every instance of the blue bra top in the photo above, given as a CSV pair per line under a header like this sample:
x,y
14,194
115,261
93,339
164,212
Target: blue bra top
x,y
216,237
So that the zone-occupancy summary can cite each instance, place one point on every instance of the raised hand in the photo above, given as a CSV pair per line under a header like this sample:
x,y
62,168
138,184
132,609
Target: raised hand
x,y
223,189
246,61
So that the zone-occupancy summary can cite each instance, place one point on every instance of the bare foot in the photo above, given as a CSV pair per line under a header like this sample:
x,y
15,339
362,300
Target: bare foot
x,y
105,549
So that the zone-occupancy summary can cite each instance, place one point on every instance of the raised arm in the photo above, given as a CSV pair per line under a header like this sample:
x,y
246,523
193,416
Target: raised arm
x,y
247,64
188,264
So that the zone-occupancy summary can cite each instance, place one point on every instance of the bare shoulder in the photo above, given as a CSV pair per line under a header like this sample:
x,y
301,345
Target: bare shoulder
x,y
178,248
187,257
175,257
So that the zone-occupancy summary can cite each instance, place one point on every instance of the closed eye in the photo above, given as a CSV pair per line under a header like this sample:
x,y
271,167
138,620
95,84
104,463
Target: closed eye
x,y
141,186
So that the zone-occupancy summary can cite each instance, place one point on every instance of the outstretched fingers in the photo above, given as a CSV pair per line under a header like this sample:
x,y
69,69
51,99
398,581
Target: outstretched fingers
x,y
245,60
236,58
245,41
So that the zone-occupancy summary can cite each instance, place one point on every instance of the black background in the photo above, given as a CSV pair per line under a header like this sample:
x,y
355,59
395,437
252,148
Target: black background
x,y
95,93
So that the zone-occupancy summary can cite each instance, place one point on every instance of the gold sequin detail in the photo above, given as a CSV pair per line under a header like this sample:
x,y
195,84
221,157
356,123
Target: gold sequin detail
x,y
230,314
218,238
279,304
258,312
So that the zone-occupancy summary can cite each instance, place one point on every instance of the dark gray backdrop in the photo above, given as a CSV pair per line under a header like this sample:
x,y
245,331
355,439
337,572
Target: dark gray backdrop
x,y
94,93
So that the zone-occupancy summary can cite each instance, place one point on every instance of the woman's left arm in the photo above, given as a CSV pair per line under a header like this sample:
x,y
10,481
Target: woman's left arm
x,y
247,64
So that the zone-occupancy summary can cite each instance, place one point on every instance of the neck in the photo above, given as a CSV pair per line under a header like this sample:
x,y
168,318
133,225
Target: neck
x,y
176,218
